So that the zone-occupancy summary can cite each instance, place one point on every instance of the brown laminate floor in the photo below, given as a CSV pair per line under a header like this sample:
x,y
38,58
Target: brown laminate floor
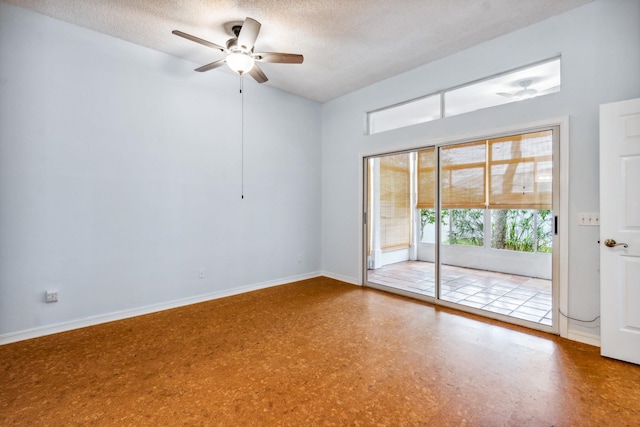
x,y
313,353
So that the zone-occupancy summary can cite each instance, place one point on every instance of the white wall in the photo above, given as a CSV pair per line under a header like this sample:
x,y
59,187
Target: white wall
x,y
531,264
120,178
119,166
599,44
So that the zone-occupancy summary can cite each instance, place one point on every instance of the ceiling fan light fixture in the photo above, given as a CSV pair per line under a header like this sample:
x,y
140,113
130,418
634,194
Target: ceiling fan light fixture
x,y
526,94
240,62
239,50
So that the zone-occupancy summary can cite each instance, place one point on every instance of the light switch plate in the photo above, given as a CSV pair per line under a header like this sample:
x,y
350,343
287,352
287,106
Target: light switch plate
x,y
589,218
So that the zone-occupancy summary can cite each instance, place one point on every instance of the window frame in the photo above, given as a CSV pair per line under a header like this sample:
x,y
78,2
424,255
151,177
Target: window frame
x,y
443,93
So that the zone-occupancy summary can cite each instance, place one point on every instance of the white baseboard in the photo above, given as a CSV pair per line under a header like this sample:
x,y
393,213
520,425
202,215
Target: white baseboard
x,y
584,337
153,308
340,277
11,337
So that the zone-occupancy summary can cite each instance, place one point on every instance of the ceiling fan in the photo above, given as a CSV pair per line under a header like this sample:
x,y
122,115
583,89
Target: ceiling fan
x,y
239,49
527,91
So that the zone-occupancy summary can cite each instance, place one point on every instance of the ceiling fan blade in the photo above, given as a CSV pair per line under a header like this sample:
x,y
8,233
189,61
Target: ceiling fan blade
x,y
505,94
277,57
211,66
248,33
257,74
198,40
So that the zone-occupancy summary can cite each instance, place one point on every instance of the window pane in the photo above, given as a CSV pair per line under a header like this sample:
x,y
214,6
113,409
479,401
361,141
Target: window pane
x,y
428,225
462,227
406,114
524,230
541,79
544,231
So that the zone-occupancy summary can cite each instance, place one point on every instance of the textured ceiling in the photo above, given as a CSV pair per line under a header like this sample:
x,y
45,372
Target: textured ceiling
x,y
346,44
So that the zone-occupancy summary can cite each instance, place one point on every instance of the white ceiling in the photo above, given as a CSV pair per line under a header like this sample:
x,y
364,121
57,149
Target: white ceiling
x,y
346,44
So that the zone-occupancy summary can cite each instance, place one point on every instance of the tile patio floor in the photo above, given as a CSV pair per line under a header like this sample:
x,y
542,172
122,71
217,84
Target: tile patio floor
x,y
522,297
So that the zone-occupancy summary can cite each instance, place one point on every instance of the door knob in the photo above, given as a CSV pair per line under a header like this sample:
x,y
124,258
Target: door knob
x,y
610,243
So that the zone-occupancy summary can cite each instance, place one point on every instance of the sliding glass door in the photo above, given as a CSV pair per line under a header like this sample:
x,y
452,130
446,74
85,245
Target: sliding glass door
x,y
393,242
468,225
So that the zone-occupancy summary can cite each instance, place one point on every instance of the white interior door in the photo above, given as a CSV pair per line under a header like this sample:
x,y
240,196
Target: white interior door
x,y
620,230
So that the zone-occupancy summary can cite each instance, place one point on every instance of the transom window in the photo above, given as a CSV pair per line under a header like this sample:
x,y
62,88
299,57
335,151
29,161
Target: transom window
x,y
534,80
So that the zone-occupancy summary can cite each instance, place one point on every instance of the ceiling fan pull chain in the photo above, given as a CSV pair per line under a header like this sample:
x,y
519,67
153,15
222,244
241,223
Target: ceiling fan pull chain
x,y
242,136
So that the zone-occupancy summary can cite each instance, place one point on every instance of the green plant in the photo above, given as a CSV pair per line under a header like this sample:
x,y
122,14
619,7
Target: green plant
x,y
524,230
463,226
427,216
467,226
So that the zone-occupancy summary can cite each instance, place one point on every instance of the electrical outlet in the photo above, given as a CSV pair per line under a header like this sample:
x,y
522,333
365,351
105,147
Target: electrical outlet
x,y
202,275
299,258
51,296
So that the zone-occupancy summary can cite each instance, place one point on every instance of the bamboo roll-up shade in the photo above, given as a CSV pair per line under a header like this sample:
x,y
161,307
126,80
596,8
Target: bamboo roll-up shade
x,y
521,171
426,179
395,214
462,176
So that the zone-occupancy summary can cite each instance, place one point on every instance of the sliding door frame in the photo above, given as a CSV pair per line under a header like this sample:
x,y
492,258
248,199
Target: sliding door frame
x,y
559,279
